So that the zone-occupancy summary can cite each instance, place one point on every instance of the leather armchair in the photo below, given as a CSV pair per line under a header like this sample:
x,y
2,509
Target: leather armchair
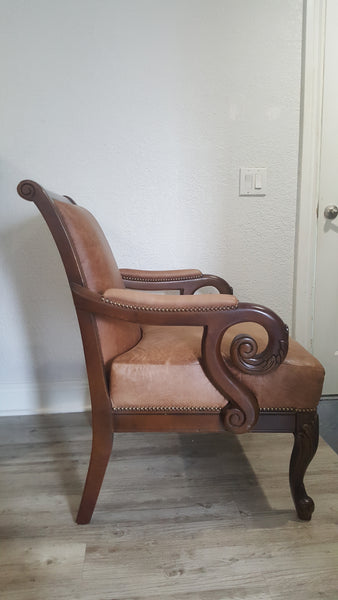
x,y
185,362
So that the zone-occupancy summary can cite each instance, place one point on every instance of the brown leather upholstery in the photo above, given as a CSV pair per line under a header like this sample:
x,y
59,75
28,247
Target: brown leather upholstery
x,y
178,275
163,371
99,271
158,302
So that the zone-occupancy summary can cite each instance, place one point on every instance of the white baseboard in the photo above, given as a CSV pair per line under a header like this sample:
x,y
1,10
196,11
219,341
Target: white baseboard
x,y
35,398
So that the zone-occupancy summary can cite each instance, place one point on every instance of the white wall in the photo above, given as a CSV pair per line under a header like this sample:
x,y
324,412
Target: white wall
x,y
142,110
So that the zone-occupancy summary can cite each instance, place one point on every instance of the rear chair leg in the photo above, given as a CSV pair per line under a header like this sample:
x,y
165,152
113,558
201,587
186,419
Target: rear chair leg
x,y
305,445
101,451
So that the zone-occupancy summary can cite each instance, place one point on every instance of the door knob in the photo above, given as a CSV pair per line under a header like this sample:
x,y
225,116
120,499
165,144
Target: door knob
x,y
331,212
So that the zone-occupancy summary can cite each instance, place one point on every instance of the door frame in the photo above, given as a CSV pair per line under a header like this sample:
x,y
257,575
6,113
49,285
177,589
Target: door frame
x,y
313,54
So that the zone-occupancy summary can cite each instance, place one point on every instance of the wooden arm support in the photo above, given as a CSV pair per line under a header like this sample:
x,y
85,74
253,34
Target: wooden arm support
x,y
216,313
187,281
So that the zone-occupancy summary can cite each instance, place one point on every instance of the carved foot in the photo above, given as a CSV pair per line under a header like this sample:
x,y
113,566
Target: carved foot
x,y
304,449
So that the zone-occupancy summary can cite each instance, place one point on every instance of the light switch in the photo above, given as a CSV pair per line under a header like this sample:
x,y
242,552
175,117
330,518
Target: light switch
x,y
258,181
252,181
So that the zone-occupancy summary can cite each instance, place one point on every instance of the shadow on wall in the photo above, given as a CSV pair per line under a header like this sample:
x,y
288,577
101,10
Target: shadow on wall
x,y
45,340
49,348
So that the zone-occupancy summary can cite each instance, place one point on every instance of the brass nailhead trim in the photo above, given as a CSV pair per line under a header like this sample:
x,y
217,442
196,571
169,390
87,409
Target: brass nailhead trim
x,y
199,409
167,408
171,309
159,279
283,409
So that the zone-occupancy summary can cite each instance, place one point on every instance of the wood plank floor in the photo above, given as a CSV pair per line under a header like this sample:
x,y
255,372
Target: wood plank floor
x,y
180,517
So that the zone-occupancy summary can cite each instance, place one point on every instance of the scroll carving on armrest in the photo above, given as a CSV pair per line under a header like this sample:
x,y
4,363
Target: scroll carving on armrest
x,y
243,350
241,412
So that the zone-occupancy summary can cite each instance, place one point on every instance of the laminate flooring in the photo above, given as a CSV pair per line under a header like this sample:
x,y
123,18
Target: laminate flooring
x,y
179,517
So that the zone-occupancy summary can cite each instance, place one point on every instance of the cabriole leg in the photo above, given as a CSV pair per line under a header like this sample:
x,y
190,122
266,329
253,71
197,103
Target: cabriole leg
x,y
304,449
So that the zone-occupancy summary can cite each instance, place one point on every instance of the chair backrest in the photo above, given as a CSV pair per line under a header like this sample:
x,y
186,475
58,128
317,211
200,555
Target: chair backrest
x,y
88,261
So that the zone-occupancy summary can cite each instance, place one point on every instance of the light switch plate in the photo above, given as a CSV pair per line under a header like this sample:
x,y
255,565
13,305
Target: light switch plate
x,y
252,181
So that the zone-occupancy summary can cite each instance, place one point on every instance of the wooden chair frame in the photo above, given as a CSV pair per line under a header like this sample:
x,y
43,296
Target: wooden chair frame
x,y
240,415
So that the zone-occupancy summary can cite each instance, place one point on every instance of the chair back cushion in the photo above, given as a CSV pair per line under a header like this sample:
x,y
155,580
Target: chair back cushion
x,y
99,272
95,258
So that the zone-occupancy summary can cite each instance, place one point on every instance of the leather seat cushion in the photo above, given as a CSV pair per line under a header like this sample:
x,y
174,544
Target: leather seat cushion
x,y
163,371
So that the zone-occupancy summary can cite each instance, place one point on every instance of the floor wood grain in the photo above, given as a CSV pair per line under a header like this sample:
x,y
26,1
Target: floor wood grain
x,y
180,517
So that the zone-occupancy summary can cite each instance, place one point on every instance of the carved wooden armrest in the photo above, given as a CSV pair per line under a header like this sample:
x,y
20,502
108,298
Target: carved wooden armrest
x,y
216,313
153,309
187,281
241,414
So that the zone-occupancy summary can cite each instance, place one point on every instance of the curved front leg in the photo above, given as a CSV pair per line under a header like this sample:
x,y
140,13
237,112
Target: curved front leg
x,y
305,447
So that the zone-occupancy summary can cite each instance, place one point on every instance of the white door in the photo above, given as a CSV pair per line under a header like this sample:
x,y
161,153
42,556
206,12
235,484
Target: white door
x,y
325,338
